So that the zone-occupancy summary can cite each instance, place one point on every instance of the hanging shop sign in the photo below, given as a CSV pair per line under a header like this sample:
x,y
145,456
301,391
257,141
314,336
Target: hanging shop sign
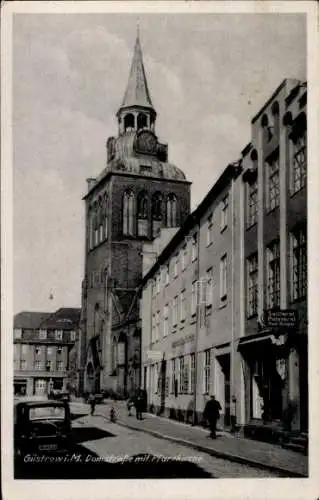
x,y
283,318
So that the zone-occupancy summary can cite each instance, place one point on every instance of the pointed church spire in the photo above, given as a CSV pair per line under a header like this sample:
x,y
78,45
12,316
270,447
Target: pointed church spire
x,y
137,92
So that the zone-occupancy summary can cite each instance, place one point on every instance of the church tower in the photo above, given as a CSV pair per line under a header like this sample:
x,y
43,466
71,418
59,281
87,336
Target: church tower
x,y
136,194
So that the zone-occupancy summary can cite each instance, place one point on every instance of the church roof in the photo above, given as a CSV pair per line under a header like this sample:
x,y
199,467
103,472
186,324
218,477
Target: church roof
x,y
137,92
150,166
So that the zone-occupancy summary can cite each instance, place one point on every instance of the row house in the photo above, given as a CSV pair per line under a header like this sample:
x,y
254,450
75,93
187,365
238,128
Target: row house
x,y
187,313
274,342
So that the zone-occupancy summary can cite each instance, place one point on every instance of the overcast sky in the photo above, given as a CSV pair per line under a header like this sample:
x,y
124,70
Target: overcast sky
x,y
208,75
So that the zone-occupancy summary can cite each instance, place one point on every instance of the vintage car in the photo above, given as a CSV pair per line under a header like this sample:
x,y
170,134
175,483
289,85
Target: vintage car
x,y
42,427
59,395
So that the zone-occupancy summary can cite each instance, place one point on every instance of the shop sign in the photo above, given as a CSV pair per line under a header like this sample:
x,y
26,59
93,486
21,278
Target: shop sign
x,y
283,318
154,355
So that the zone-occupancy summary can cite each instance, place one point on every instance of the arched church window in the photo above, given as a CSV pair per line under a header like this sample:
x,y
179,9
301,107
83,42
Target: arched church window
x,y
142,214
157,213
128,122
141,121
128,213
171,210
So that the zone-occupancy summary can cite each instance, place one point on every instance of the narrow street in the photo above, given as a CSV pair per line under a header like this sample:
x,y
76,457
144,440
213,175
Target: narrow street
x,y
106,450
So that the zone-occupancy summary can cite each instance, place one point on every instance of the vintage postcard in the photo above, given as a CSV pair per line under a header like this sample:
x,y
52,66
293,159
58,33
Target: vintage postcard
x,y
159,189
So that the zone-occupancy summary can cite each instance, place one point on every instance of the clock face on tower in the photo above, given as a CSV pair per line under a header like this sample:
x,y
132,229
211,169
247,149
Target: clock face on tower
x,y
146,142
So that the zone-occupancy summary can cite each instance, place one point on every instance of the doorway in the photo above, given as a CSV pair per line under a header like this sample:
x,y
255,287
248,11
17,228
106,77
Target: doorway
x,y
222,385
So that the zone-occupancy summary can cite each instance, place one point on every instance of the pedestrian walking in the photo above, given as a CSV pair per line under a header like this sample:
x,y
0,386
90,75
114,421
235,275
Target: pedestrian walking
x,y
130,405
91,401
211,414
112,414
139,404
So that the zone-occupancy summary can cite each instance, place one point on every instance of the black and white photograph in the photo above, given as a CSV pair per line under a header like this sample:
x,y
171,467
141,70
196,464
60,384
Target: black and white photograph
x,y
157,234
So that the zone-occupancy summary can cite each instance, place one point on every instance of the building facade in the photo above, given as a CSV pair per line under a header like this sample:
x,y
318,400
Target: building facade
x,y
41,343
274,344
138,193
189,310
224,304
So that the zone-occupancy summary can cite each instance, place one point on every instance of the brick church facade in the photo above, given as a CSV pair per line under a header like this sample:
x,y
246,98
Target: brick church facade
x,y
137,193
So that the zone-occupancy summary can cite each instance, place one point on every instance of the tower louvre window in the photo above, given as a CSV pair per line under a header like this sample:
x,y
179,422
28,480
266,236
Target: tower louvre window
x,y
141,121
128,213
129,122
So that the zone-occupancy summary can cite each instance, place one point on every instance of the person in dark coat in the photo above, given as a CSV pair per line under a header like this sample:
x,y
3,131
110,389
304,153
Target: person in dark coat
x,y
211,414
139,404
92,402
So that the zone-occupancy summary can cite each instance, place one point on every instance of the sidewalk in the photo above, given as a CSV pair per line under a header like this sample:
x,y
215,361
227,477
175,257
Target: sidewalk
x,y
226,446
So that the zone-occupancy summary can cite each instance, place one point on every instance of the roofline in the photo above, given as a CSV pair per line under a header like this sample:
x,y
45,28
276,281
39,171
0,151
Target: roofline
x,y
231,172
246,149
273,95
130,174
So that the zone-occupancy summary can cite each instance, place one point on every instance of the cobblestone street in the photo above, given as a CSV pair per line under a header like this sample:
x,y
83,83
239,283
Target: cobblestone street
x,y
128,442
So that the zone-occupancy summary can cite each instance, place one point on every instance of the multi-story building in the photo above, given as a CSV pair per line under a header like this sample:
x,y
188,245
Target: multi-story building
x,y
41,343
224,304
190,311
136,194
274,344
